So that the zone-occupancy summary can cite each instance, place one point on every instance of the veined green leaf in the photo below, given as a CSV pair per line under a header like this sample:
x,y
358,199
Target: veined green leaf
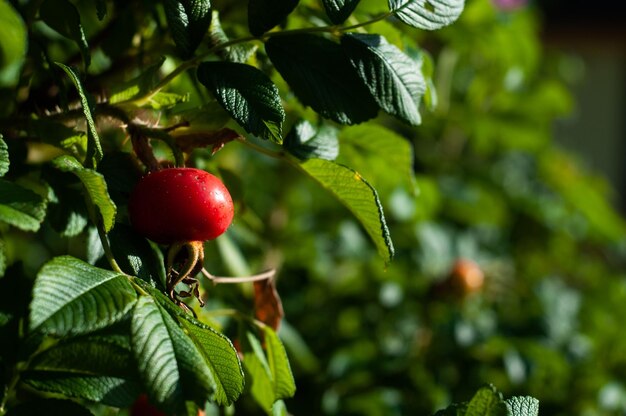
x,y
427,14
394,80
189,21
522,406
378,153
94,149
92,368
265,14
486,402
4,157
73,297
248,95
62,16
217,351
358,196
271,375
21,207
339,10
13,43
94,184
171,366
221,358
305,141
322,77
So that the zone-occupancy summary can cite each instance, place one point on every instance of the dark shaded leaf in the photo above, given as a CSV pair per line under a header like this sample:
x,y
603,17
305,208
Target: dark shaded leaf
x,y
21,207
189,21
339,10
92,368
62,16
322,77
305,141
248,95
136,256
265,14
394,80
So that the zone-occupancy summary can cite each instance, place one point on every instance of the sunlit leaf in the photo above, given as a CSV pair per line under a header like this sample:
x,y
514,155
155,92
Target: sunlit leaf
x,y
94,184
248,95
269,369
358,196
13,43
394,80
4,157
94,148
73,297
427,14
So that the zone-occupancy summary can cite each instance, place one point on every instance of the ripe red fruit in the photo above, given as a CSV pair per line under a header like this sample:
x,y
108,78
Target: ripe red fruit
x,y
143,407
180,205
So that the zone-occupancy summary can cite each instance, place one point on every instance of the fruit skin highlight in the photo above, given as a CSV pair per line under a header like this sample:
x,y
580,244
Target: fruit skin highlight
x,y
178,205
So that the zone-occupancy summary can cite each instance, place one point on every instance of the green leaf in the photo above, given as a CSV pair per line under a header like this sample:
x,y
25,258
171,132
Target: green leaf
x,y
171,366
73,297
38,407
94,184
67,213
13,43
486,402
136,256
236,53
358,196
457,409
272,379
394,80
101,9
188,21
265,14
20,207
221,358
216,349
137,86
92,368
62,16
248,95
305,141
322,77
378,153
94,149
427,14
4,157
339,10
522,406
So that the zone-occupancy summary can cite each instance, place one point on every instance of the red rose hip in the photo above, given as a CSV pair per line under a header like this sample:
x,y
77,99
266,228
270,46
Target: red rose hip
x,y
180,205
